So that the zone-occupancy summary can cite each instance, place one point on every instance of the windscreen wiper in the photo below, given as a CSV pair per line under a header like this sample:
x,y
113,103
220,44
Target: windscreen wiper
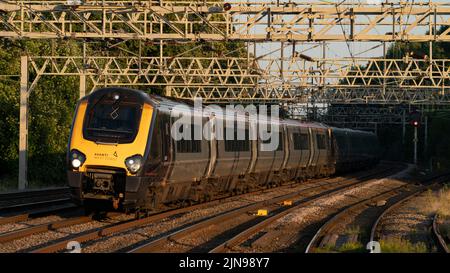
x,y
109,130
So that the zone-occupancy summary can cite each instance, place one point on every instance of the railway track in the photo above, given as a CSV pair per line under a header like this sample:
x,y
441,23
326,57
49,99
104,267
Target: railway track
x,y
440,241
129,224
374,232
11,202
117,228
158,244
251,231
21,233
249,235
325,236
25,205
361,214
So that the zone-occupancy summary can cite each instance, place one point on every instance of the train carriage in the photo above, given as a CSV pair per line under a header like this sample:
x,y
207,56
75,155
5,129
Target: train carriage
x,y
121,152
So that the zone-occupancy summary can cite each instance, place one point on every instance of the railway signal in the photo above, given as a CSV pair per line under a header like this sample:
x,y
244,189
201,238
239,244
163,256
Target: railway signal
x,y
415,117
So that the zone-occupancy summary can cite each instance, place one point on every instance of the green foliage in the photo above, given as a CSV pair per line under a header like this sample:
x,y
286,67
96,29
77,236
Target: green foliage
x,y
399,245
51,106
52,101
441,50
352,247
347,247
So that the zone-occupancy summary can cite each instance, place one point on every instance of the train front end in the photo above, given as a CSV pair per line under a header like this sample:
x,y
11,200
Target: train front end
x,y
107,147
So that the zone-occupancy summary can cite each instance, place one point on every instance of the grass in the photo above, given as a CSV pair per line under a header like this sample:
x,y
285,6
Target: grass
x,y
352,247
352,230
348,247
8,183
324,249
399,245
438,202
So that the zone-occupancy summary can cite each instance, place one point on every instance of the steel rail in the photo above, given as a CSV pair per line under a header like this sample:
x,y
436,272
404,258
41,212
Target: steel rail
x,y
438,236
5,196
261,225
335,220
147,220
23,199
35,213
155,244
21,233
159,216
440,178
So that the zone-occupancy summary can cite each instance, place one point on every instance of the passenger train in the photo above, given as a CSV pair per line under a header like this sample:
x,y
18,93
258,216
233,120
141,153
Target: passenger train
x,y
121,153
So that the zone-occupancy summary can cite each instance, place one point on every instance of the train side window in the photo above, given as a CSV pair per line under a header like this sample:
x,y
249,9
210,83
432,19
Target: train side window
x,y
235,144
189,145
301,141
321,143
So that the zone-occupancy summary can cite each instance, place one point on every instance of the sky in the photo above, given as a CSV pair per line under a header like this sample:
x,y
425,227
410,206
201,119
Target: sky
x,y
334,49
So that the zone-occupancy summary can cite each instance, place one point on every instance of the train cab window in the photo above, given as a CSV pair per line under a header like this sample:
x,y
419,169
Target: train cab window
x,y
189,145
235,144
321,142
301,141
112,118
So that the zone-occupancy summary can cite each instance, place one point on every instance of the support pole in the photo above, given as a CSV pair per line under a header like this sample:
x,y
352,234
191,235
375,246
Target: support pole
x,y
415,145
322,68
282,62
425,144
23,125
83,75
384,69
168,90
403,126
82,85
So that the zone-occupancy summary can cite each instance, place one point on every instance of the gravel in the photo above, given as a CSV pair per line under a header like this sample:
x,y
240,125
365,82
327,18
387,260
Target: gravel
x,y
410,222
34,241
293,231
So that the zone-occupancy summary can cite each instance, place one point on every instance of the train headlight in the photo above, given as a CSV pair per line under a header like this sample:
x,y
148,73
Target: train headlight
x,y
76,163
77,158
134,163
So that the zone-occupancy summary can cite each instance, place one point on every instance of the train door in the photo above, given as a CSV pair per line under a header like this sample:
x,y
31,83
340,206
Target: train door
x,y
211,129
313,148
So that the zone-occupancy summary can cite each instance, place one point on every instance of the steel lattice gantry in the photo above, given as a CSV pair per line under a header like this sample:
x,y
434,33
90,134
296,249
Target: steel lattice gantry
x,y
220,80
227,79
209,20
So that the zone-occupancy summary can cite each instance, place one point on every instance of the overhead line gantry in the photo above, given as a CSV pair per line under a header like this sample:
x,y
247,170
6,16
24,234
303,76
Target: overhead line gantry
x,y
234,79
219,21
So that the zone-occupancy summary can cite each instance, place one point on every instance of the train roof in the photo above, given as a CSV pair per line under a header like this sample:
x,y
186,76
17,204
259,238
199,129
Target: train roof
x,y
141,95
353,131
170,103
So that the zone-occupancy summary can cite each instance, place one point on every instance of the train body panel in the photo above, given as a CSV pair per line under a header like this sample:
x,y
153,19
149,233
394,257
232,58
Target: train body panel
x,y
203,166
355,149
